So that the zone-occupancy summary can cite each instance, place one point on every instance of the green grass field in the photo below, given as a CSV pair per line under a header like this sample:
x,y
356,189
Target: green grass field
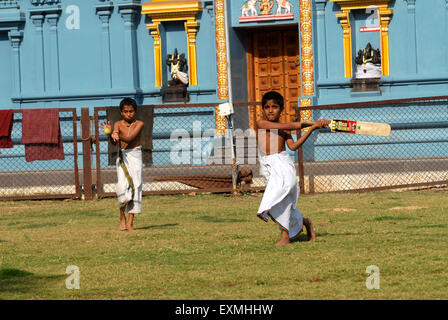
x,y
214,247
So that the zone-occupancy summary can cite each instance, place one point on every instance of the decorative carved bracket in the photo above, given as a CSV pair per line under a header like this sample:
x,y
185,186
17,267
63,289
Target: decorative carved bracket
x,y
44,2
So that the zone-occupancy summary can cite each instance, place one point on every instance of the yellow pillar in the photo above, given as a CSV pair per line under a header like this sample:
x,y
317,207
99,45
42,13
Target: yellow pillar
x,y
154,30
344,20
191,28
385,16
306,56
221,65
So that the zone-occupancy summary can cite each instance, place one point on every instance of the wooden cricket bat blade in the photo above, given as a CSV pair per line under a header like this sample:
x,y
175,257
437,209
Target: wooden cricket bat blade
x,y
360,127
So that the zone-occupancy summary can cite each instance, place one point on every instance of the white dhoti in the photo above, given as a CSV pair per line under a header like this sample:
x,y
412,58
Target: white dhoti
x,y
281,192
129,185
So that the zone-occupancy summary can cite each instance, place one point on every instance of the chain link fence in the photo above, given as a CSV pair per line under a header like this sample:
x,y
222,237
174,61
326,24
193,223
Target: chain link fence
x,y
21,177
181,151
415,154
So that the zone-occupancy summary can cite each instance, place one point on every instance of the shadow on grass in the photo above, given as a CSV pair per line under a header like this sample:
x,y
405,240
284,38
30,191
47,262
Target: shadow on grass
x,y
424,226
301,238
19,281
326,234
389,218
161,226
217,220
38,225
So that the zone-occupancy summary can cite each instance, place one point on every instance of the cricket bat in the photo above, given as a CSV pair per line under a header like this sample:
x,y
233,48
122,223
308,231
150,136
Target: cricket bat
x,y
360,127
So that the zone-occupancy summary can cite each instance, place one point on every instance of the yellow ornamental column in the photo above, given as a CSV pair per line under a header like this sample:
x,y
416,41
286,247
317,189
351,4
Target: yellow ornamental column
x,y
385,17
306,55
154,30
191,27
221,65
344,20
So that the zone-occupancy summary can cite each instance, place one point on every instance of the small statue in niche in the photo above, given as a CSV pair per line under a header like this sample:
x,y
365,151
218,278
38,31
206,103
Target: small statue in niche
x,y
368,63
265,6
179,69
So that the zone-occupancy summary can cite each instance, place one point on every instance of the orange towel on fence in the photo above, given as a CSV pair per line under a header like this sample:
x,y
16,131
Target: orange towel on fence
x,y
41,134
6,121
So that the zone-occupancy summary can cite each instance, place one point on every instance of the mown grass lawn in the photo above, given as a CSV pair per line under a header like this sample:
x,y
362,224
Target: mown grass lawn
x,y
214,247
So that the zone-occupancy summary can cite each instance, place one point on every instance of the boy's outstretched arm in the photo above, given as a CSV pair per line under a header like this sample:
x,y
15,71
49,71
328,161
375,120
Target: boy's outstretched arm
x,y
269,125
134,132
294,145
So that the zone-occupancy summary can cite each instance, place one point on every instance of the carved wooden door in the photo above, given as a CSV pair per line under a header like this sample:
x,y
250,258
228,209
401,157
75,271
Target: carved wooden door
x,y
274,64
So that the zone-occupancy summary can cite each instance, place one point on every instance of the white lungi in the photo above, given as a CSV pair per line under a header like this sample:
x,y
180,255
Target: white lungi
x,y
281,193
129,192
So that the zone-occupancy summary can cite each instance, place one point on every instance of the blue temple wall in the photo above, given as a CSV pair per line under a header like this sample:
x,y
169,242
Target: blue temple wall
x,y
417,51
76,69
94,62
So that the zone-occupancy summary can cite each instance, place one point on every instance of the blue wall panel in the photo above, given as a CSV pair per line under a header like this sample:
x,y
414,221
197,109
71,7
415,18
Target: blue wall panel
x,y
418,50
5,69
91,59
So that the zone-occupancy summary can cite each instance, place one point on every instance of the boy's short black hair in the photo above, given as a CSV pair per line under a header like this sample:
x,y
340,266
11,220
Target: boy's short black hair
x,y
128,102
273,95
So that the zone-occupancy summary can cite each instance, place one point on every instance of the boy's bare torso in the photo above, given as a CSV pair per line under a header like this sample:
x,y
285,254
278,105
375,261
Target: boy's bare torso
x,y
271,141
126,129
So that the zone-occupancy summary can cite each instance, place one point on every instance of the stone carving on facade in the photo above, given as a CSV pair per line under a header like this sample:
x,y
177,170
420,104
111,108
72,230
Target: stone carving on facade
x,y
248,8
368,63
176,91
9,4
265,10
283,5
43,2
179,69
265,6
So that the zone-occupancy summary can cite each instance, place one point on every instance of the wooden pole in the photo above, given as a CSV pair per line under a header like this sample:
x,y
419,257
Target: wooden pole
x,y
86,155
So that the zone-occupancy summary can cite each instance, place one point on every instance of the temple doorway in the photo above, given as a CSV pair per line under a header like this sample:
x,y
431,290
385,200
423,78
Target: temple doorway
x,y
273,58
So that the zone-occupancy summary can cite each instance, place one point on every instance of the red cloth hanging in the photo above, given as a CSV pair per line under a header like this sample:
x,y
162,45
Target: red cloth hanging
x,y
41,134
6,122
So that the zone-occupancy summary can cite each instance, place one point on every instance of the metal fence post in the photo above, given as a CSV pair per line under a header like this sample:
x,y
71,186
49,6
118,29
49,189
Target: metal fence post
x,y
86,155
300,158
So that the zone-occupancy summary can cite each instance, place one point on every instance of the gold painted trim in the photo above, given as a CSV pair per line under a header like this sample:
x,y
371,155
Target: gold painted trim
x,y
361,4
154,30
306,57
192,27
305,115
221,64
344,20
306,54
165,10
385,17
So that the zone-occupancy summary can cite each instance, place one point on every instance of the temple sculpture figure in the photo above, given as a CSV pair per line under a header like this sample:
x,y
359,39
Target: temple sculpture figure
x,y
368,63
179,69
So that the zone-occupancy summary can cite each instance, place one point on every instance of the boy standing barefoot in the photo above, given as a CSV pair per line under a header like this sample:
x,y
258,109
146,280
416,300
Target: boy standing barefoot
x,y
129,161
281,194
